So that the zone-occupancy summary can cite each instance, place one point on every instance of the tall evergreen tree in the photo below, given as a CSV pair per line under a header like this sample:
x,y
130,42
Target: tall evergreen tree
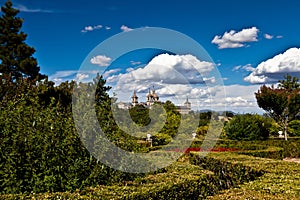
x,y
16,60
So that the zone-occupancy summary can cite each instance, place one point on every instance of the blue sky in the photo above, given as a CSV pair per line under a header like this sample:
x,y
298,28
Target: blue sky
x,y
239,36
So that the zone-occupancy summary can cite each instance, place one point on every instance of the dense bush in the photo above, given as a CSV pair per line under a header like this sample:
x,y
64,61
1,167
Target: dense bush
x,y
248,127
161,139
40,149
181,180
294,128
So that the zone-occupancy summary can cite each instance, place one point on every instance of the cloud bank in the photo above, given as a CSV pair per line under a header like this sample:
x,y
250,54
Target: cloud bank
x,y
275,68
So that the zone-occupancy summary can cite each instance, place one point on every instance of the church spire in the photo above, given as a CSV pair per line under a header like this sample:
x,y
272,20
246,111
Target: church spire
x,y
134,99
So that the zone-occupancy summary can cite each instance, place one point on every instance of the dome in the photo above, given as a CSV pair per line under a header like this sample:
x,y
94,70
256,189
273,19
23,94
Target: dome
x,y
155,95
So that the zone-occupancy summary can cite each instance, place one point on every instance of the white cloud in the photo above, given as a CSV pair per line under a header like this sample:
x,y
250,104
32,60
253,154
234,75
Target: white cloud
x,y
130,69
101,60
173,76
169,69
91,28
167,74
23,8
275,68
237,102
82,76
233,39
239,98
135,62
107,27
62,74
269,37
247,68
236,68
67,75
125,28
109,73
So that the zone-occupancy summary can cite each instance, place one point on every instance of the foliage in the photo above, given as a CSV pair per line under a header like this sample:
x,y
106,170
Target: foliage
x,y
237,174
178,181
202,130
269,152
294,128
248,127
161,139
140,115
279,181
290,148
282,103
40,149
173,119
15,55
205,118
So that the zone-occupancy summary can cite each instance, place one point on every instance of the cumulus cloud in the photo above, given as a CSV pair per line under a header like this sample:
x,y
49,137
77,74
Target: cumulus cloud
x,y
91,28
172,76
125,28
275,68
101,60
234,39
169,69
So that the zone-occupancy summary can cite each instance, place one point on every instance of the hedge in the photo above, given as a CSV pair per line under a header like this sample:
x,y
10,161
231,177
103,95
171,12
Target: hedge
x,y
179,181
272,148
281,179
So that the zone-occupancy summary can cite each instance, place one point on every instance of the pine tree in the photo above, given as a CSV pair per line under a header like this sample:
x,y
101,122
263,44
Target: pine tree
x,y
16,60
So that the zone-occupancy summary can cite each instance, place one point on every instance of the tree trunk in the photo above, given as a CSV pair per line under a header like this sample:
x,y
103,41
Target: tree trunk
x,y
285,128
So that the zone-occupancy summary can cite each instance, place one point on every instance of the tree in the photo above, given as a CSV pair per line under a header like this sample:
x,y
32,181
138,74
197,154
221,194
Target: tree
x,y
281,103
16,60
248,127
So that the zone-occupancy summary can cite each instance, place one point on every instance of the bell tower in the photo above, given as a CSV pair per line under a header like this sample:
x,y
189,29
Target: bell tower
x,y
134,99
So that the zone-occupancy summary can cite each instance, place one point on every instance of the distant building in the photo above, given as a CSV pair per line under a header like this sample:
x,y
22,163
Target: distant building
x,y
134,98
186,108
152,98
125,106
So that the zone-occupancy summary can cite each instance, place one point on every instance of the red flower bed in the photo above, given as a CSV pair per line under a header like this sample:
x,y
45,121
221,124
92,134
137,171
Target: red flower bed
x,y
218,149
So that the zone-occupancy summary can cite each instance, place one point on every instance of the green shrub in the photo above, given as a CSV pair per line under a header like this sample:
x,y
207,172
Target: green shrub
x,y
161,139
248,127
202,130
294,128
40,149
